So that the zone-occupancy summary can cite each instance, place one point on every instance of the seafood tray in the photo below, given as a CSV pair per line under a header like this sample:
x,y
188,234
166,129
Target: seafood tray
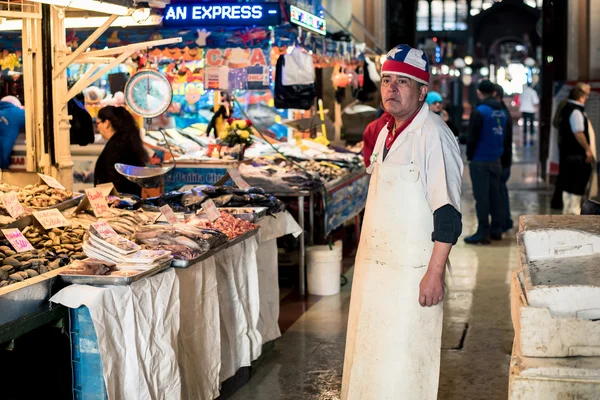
x,y
28,297
27,220
256,215
212,252
107,280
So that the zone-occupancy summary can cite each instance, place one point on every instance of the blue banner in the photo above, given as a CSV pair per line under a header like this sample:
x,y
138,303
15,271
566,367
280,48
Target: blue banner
x,y
183,176
346,202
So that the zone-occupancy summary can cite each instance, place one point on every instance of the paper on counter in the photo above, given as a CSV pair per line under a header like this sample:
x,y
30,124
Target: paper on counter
x,y
278,225
137,328
239,306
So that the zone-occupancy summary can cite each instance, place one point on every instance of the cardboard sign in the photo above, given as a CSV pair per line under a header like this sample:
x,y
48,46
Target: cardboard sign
x,y
169,214
107,189
97,201
17,240
234,173
104,230
50,181
51,218
211,210
12,205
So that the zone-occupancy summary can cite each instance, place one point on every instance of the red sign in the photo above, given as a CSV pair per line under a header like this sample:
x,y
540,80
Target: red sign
x,y
17,240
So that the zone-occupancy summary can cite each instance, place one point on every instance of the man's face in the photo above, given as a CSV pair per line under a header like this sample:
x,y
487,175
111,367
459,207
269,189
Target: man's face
x,y
401,95
436,107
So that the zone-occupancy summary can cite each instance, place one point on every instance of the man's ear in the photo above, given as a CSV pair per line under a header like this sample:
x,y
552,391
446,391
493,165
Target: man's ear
x,y
423,94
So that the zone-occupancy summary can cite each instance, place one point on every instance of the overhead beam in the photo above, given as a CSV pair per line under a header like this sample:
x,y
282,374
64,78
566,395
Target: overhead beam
x,y
134,47
67,60
83,83
20,14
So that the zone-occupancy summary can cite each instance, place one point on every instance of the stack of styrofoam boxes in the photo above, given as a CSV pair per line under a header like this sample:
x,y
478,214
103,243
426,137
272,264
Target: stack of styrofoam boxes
x,y
555,303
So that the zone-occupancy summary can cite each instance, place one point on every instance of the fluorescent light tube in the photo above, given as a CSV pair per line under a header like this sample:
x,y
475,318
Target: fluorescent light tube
x,y
88,22
90,5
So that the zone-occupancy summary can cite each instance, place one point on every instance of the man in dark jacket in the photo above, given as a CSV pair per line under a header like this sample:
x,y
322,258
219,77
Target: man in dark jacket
x,y
12,122
506,161
576,157
485,146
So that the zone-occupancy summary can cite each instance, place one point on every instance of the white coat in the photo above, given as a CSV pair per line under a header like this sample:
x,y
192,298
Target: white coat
x,y
437,156
393,344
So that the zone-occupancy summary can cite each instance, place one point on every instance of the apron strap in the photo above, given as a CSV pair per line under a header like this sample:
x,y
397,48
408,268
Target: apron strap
x,y
449,266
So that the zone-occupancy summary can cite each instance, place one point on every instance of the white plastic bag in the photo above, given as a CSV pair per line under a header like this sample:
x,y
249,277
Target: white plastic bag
x,y
372,68
298,69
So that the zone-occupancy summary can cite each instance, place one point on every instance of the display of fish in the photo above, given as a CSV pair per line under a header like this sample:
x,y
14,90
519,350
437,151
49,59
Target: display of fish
x,y
179,235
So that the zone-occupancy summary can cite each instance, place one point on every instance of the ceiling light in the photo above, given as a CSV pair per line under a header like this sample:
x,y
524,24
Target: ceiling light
x,y
90,5
88,22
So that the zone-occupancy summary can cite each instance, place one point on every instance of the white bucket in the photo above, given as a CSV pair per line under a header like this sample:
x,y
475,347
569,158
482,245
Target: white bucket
x,y
324,268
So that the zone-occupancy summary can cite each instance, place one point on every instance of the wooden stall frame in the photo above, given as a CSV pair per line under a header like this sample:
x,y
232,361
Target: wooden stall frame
x,y
37,158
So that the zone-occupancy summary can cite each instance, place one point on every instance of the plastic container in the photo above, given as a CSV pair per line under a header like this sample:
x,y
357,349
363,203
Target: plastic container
x,y
88,377
324,268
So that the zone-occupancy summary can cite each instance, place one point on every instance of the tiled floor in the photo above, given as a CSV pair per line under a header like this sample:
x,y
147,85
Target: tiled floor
x,y
306,362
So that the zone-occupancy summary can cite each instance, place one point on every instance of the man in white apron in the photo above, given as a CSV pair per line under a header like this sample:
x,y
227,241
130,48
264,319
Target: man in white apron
x,y
412,219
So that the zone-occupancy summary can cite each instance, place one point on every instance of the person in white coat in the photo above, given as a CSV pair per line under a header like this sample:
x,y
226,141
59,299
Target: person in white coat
x,y
529,100
412,219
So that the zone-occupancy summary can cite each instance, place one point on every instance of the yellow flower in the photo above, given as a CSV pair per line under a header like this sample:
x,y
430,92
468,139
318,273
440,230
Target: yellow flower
x,y
240,124
244,134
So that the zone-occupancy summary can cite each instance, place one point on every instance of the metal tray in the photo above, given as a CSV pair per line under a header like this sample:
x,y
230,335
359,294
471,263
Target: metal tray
x,y
28,297
27,220
257,214
212,252
107,280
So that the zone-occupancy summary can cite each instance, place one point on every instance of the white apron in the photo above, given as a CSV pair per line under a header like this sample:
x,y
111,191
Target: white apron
x,y
393,344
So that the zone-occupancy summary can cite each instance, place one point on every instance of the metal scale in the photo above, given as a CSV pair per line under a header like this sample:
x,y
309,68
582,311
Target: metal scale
x,y
148,94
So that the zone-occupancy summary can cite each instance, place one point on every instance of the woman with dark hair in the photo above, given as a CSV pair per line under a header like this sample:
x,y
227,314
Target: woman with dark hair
x,y
124,145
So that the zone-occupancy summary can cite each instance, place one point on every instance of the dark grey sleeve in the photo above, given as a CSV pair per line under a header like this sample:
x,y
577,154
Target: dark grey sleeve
x,y
447,225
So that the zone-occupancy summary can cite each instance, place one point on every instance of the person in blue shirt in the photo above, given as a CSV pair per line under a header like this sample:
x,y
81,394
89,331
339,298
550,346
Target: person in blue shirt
x,y
485,146
12,122
435,102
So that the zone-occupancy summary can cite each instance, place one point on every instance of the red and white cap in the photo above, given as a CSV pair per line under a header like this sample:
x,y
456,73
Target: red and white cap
x,y
405,61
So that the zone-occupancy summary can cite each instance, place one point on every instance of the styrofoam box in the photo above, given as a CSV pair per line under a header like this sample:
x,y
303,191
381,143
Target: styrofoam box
x,y
553,378
560,259
540,334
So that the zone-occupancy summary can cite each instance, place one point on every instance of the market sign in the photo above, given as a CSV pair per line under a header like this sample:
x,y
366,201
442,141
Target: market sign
x,y
221,14
307,20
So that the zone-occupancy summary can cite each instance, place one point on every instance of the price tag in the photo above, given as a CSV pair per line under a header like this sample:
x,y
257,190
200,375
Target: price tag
x,y
50,181
169,214
211,210
51,218
104,230
98,202
17,240
234,173
12,205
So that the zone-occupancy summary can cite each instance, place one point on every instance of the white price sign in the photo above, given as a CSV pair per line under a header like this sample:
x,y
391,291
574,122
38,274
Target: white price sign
x,y
12,205
51,218
98,202
167,211
211,210
50,181
234,173
104,230
17,240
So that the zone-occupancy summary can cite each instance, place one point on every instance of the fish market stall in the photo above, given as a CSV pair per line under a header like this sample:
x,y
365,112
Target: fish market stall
x,y
199,321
